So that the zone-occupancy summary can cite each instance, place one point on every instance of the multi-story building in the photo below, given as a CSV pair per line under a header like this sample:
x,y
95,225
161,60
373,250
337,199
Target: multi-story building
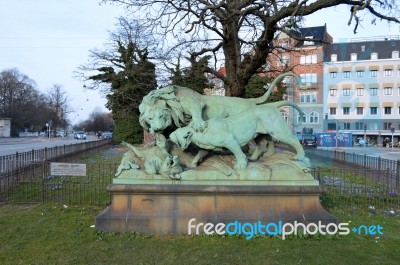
x,y
362,89
305,58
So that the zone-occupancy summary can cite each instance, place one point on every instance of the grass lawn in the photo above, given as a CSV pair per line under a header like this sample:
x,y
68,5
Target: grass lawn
x,y
53,234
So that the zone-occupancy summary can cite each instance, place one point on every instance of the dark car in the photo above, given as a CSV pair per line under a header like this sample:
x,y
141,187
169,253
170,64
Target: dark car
x,y
308,140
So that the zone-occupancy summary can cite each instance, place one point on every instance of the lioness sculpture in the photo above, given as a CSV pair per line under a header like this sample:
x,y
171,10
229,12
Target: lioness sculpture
x,y
183,106
238,130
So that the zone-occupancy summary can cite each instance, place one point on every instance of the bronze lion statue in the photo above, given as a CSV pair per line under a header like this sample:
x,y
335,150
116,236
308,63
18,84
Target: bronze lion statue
x,y
181,106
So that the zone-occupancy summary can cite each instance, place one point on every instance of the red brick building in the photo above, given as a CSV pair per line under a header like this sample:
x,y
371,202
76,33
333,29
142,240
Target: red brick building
x,y
305,58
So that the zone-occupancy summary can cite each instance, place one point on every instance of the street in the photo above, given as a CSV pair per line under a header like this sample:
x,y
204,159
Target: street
x,y
9,146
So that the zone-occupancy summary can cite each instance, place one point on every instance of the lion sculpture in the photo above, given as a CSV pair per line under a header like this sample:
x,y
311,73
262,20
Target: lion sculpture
x,y
238,130
182,106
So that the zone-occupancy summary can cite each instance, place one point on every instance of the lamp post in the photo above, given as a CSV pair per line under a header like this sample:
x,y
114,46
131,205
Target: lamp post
x,y
365,134
392,131
337,132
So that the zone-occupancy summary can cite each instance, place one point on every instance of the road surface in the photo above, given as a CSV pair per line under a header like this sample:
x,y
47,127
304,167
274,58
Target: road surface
x,y
9,146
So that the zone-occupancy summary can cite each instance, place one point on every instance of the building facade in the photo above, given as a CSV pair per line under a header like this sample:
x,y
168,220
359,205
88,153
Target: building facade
x,y
362,89
306,59
5,127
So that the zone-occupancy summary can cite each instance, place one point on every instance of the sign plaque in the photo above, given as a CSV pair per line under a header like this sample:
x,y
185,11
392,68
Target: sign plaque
x,y
67,169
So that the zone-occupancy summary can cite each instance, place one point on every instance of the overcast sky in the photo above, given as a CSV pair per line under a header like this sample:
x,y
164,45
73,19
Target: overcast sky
x,y
48,39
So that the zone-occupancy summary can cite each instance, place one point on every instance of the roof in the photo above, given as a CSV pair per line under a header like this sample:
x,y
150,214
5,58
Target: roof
x,y
318,32
363,49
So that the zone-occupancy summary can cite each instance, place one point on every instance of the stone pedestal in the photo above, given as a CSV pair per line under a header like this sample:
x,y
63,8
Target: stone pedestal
x,y
167,208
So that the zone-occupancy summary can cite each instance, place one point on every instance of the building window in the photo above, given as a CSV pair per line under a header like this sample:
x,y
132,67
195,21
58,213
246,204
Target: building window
x,y
387,90
373,91
388,72
332,111
388,110
333,74
308,78
346,110
359,125
374,73
300,119
346,126
309,41
284,44
373,110
360,91
360,110
387,125
346,91
333,92
399,110
284,60
314,117
284,115
360,73
346,74
308,59
308,97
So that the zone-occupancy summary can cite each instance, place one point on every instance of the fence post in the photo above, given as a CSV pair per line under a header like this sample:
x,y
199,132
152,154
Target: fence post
x,y
398,175
379,163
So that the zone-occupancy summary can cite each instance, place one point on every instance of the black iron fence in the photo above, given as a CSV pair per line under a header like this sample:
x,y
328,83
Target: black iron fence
x,y
36,184
25,176
356,160
350,189
359,188
19,160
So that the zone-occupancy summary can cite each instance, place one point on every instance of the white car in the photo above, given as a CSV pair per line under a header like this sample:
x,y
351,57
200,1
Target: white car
x,y
80,135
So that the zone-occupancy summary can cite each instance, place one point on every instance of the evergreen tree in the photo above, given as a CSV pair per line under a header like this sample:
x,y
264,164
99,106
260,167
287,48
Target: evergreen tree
x,y
128,86
256,88
192,77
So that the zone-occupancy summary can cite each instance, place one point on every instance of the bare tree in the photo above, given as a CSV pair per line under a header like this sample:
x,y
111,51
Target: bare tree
x,y
240,31
21,101
58,100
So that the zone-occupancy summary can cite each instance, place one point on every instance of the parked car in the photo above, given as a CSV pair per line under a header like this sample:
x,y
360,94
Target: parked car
x,y
308,140
60,134
80,135
106,135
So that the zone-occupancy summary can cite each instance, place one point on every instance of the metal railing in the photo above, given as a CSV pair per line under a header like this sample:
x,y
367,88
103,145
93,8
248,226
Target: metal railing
x,y
19,160
345,189
35,184
356,160
359,189
28,170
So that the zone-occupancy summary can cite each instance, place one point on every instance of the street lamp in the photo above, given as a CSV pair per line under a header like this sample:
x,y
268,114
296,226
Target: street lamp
x,y
326,122
392,131
365,135
337,131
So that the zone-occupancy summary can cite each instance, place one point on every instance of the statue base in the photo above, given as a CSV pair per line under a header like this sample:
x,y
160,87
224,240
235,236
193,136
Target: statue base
x,y
167,208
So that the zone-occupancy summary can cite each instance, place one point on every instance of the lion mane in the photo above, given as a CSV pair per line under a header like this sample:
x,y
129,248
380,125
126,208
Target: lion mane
x,y
165,101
